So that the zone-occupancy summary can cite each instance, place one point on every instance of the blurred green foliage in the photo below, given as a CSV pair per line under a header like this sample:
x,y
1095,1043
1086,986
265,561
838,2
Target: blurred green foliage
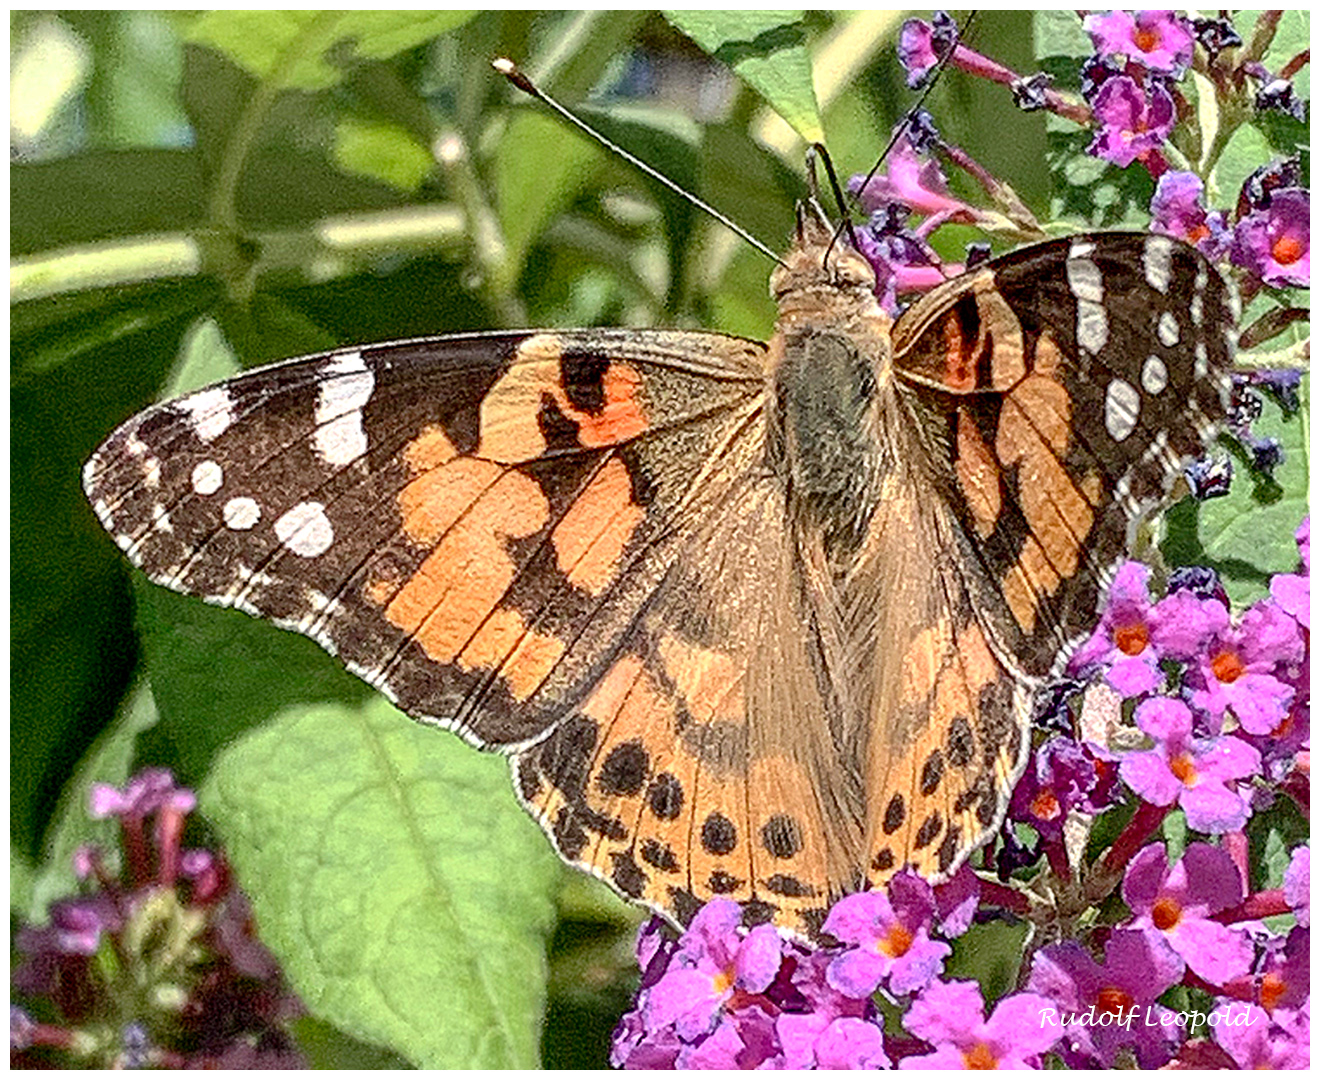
x,y
193,192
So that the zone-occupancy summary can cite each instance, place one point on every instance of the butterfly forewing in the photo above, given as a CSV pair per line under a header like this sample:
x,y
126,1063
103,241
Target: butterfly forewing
x,y
449,516
1068,384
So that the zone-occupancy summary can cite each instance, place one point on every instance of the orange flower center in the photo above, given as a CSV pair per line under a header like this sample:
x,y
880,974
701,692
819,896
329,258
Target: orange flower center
x,y
1146,40
723,980
1166,913
1045,806
1272,987
980,1056
1184,769
1287,250
896,942
1228,666
1197,233
1113,1000
1131,639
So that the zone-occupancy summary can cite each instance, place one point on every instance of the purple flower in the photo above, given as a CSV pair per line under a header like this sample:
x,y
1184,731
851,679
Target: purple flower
x,y
1159,40
1132,122
1255,1040
1062,775
54,956
1123,639
1173,907
145,793
814,1041
1239,670
919,185
719,1050
1185,622
1123,989
712,961
1274,242
206,992
1285,980
956,900
1196,773
1176,210
1292,592
921,45
891,935
1297,885
951,1017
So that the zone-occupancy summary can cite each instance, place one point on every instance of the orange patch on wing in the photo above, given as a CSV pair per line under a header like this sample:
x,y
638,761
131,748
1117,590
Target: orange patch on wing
x,y
1033,435
621,418
959,372
1001,333
591,537
523,657
1026,582
468,509
710,682
978,475
429,450
626,695
510,412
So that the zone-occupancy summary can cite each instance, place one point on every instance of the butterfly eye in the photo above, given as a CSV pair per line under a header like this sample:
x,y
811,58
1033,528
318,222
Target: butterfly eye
x,y
851,269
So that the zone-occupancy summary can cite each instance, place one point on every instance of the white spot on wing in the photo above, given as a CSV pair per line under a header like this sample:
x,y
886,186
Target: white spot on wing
x,y
160,519
340,438
1202,366
207,477
1154,375
1092,326
1122,407
242,512
1089,291
305,530
151,472
1167,329
1084,279
210,412
1158,262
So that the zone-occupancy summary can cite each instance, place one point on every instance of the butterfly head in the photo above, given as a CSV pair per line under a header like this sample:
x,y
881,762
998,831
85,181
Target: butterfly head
x,y
821,271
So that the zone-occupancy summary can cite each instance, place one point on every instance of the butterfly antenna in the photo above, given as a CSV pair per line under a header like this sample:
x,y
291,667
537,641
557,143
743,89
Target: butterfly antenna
x,y
515,75
817,152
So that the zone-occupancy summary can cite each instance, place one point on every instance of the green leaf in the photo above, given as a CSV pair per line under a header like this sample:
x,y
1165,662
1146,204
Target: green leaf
x,y
1060,34
392,871
528,197
385,152
768,51
991,954
1247,151
72,649
291,49
1248,534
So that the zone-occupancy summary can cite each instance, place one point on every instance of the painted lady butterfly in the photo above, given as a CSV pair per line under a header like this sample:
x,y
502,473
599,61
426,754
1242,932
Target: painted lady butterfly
x,y
751,620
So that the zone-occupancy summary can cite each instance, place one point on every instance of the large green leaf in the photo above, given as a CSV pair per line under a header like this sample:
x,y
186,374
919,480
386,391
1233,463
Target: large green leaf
x,y
290,49
768,51
393,873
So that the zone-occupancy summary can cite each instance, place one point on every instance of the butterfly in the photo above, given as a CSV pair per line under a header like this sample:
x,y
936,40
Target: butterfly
x,y
751,620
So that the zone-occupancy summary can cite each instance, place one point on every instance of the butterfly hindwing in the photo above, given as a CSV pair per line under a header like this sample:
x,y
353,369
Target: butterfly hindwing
x,y
683,776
